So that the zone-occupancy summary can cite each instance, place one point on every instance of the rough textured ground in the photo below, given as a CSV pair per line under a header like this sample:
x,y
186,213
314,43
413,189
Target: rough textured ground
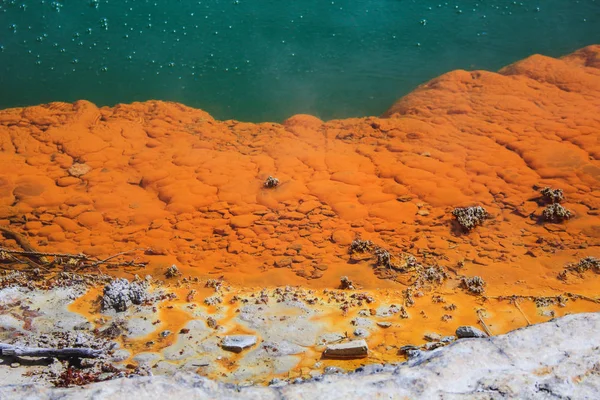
x,y
558,359
171,178
175,186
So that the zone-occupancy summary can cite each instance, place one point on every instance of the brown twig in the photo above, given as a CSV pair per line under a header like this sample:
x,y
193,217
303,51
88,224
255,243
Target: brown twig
x,y
17,237
34,253
516,303
483,324
75,262
94,264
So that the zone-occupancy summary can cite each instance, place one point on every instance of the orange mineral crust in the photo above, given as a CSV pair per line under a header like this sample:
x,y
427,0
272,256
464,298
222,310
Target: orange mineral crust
x,y
182,188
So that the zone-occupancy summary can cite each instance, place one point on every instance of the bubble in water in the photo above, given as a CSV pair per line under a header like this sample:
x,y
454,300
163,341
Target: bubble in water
x,y
56,6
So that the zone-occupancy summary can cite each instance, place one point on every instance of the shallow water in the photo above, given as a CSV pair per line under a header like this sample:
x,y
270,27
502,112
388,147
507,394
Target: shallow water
x,y
267,60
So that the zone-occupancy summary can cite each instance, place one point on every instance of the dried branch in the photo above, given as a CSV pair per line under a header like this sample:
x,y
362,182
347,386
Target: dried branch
x,y
23,351
95,264
516,303
482,322
38,254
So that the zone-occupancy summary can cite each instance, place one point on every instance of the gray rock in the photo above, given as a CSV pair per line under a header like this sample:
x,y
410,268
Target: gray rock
x,y
119,295
432,337
137,293
276,382
352,349
361,332
432,345
375,369
333,370
463,332
448,339
237,343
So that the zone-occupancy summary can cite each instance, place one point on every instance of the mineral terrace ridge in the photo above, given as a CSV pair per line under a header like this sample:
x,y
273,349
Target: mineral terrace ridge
x,y
158,241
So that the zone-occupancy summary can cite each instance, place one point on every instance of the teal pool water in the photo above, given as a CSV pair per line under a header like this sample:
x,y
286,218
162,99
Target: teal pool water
x,y
268,59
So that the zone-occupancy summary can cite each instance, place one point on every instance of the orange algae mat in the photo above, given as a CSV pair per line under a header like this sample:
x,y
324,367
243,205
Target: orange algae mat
x,y
187,189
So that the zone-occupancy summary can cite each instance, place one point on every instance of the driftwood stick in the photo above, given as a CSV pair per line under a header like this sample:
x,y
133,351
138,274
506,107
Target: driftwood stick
x,y
17,237
516,303
41,254
482,322
23,351
111,257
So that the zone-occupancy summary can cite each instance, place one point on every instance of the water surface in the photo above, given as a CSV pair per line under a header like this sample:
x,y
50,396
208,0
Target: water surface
x,y
267,59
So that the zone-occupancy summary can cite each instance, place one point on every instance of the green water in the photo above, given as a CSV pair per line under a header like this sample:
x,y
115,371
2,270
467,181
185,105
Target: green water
x,y
268,59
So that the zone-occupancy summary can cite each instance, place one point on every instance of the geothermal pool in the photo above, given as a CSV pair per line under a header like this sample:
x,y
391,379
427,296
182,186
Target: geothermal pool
x,y
268,60
306,175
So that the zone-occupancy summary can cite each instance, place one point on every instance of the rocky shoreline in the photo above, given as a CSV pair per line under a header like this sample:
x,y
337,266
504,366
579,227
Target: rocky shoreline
x,y
557,359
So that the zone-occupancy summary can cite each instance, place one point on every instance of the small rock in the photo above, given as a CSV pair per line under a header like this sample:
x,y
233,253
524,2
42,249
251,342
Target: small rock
x,y
463,332
433,345
405,349
547,313
213,300
353,349
211,323
79,169
276,382
172,271
359,321
361,332
432,337
15,365
448,339
346,283
283,262
237,343
271,182
80,340
384,324
333,370
165,333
